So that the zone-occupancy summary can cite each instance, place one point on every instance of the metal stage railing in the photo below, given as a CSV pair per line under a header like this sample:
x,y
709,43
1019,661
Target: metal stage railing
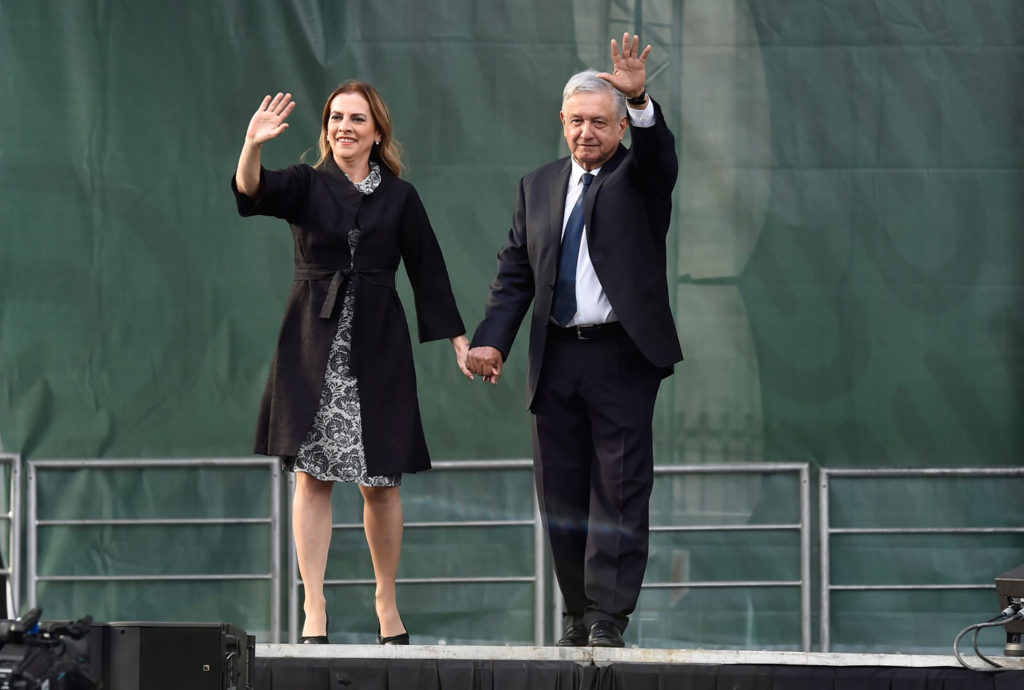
x,y
827,531
272,519
803,527
545,604
538,578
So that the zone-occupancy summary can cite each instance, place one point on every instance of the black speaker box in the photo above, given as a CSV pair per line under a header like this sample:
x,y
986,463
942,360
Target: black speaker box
x,y
141,656
172,656
166,656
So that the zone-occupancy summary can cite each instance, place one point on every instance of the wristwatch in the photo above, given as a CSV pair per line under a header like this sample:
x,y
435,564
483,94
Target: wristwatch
x,y
638,100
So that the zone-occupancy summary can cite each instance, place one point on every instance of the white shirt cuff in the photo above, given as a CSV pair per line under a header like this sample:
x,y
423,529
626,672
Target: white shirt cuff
x,y
641,117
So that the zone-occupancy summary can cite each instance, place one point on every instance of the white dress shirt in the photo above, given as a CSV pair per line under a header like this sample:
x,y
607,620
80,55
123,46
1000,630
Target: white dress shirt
x,y
592,305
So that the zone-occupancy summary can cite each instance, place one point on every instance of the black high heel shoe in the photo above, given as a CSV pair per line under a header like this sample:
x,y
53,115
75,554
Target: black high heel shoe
x,y
393,639
318,639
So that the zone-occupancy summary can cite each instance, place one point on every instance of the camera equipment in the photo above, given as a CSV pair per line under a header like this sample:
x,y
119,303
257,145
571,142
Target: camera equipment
x,y
1010,588
55,657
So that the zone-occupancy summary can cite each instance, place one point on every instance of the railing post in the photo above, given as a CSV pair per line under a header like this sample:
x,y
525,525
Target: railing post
x,y
12,568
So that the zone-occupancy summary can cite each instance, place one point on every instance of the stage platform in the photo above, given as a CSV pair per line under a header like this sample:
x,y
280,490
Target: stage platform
x,y
433,667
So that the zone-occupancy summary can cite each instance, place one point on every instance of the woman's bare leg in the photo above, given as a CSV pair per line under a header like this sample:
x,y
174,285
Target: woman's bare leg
x,y
382,521
311,521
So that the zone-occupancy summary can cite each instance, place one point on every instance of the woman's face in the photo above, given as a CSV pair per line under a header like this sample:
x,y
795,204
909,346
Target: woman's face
x,y
351,131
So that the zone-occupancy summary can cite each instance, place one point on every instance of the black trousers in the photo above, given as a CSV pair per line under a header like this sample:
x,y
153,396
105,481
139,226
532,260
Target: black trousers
x,y
594,469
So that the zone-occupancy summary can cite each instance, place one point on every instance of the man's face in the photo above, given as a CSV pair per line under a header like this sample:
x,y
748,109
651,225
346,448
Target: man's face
x,y
591,127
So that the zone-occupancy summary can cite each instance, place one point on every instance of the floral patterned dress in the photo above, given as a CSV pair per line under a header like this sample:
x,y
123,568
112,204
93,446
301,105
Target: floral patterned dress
x,y
333,447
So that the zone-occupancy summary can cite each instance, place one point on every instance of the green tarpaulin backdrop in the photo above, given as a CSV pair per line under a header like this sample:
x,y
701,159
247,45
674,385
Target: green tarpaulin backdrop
x,y
847,258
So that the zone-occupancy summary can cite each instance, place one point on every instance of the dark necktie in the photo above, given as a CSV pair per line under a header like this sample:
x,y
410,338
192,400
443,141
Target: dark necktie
x,y
564,306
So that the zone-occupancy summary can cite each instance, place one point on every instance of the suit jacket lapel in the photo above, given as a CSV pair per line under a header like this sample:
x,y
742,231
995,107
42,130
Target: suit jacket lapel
x,y
607,170
551,237
559,190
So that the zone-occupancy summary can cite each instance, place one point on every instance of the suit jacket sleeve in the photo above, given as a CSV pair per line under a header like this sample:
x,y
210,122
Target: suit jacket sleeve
x,y
656,165
512,289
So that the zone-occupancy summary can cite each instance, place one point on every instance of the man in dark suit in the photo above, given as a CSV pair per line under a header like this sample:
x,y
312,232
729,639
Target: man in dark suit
x,y
602,336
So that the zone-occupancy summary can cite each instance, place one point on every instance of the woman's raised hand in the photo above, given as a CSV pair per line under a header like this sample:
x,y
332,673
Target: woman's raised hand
x,y
266,123
269,120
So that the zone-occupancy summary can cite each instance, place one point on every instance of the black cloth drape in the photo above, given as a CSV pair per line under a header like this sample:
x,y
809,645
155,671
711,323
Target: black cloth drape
x,y
458,674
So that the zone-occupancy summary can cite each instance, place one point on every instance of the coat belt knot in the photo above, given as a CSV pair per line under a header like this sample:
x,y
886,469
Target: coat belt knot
x,y
339,278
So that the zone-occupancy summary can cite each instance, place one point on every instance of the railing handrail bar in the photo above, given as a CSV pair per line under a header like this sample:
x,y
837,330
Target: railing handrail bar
x,y
902,472
724,584
153,463
909,587
508,464
143,522
765,527
444,523
156,577
437,578
732,468
925,530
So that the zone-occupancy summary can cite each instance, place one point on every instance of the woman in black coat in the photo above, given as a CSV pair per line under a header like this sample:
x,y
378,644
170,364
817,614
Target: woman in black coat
x,y
340,402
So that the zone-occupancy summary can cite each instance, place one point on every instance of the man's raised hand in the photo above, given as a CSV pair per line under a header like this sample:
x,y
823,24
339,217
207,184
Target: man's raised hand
x,y
630,73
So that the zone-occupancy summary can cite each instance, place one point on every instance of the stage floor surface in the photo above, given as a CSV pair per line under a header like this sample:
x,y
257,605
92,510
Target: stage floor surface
x,y
454,667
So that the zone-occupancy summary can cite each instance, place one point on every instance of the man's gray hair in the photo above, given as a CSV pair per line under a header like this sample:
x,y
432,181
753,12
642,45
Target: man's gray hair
x,y
587,81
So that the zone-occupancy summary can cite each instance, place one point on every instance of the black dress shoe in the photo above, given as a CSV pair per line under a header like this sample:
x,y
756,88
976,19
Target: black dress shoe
x,y
575,636
605,634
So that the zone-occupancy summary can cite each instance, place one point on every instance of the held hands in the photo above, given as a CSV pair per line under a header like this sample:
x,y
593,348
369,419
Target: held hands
x,y
269,119
485,361
461,345
630,73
